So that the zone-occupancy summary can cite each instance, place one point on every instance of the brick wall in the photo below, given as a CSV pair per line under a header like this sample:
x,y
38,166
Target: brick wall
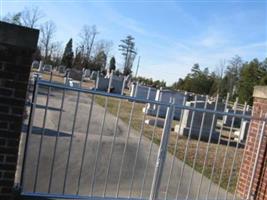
x,y
259,182
17,45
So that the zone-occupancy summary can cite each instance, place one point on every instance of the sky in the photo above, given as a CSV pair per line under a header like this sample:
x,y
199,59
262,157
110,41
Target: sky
x,y
170,36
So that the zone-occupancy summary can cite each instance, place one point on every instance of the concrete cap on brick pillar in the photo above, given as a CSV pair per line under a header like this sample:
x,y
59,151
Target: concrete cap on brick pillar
x,y
260,92
18,36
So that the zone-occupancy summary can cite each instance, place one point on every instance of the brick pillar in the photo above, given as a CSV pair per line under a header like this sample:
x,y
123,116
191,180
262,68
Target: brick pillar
x,y
17,45
259,181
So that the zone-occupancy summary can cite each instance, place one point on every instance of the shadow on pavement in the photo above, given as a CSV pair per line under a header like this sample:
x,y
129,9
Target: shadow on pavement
x,y
46,131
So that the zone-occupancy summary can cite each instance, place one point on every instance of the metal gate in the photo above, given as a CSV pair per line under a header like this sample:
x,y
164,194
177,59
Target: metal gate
x,y
82,143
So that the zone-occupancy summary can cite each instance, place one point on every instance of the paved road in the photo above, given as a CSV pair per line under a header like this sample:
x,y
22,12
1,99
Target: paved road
x,y
87,175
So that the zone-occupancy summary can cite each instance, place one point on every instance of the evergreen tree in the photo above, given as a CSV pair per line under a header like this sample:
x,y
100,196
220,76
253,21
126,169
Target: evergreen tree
x,y
77,63
67,58
127,47
198,81
250,76
99,62
112,64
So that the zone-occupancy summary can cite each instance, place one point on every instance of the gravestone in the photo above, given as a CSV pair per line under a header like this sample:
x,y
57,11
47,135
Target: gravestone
x,y
166,96
87,73
35,64
115,83
75,74
152,122
128,82
41,64
62,69
47,68
228,120
143,92
241,134
75,84
208,128
93,75
102,83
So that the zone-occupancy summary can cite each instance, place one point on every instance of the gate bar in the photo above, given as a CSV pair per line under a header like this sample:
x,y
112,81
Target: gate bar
x,y
126,142
174,152
162,152
56,142
137,151
150,151
42,136
29,128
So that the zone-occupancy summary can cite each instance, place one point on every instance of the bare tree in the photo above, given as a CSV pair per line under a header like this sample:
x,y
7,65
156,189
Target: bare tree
x,y
102,45
56,50
27,17
87,40
48,30
13,18
31,16
233,73
220,69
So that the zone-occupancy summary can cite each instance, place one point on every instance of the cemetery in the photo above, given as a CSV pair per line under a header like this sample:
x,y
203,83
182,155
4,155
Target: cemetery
x,y
188,123
192,129
89,113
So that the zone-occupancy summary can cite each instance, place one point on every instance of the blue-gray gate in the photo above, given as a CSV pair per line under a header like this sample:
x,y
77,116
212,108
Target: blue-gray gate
x,y
81,143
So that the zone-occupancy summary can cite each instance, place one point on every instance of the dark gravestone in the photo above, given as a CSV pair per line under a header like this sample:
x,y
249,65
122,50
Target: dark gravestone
x,y
75,74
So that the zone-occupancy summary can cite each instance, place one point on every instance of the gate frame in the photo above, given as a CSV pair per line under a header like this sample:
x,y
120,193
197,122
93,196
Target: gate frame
x,y
163,148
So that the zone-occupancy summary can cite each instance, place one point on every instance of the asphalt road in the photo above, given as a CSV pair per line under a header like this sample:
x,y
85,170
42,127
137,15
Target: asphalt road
x,y
100,176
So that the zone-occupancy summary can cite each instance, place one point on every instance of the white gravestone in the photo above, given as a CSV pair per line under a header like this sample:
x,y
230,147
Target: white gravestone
x,y
93,75
152,122
166,96
241,134
87,73
35,64
143,92
114,82
208,128
228,120
47,68
41,64
62,69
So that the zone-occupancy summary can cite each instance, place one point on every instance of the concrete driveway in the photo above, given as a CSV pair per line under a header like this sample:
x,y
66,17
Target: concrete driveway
x,y
78,142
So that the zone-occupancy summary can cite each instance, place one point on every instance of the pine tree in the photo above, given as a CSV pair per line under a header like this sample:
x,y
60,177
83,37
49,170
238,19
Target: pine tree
x,y
77,63
112,64
100,60
127,47
67,58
